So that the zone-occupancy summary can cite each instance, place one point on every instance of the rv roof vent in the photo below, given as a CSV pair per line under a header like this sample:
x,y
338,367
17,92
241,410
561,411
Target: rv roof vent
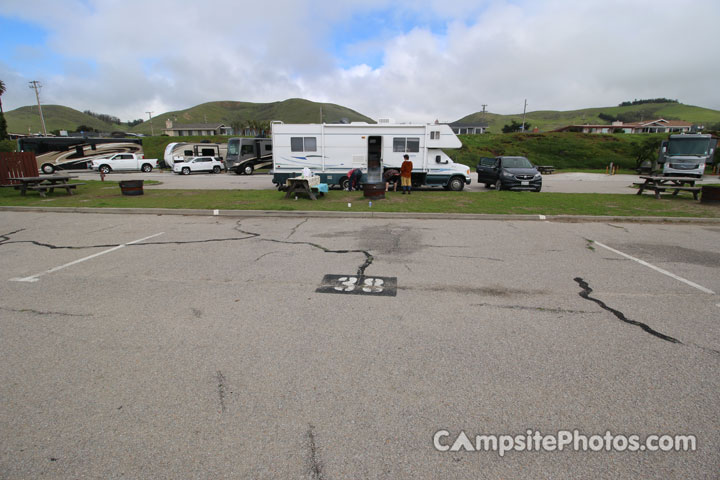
x,y
386,120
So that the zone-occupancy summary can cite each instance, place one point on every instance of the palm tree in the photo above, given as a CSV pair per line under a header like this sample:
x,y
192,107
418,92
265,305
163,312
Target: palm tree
x,y
2,90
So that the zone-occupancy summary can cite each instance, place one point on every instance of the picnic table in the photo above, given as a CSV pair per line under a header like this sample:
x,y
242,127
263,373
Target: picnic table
x,y
546,169
45,183
306,185
657,184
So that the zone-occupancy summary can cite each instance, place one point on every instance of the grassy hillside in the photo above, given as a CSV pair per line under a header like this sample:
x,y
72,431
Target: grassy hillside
x,y
561,149
294,110
57,117
547,120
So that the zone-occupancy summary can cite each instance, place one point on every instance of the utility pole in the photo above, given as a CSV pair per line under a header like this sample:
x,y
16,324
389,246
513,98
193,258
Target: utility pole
x,y
482,120
524,109
36,85
152,130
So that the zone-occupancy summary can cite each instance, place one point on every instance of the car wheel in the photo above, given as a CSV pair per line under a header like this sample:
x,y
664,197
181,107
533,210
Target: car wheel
x,y
344,183
538,189
47,168
456,184
216,169
147,168
498,185
104,169
186,171
248,169
488,185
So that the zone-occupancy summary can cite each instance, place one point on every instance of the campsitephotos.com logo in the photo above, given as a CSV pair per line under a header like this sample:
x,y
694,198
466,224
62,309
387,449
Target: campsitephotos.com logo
x,y
562,440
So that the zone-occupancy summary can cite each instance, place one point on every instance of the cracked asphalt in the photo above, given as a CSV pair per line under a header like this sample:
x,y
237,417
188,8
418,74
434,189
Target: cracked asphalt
x,y
205,351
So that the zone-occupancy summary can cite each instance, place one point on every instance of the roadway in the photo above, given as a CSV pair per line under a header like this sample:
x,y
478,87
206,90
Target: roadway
x,y
147,346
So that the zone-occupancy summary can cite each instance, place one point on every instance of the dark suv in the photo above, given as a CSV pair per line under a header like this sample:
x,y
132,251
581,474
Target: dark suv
x,y
511,173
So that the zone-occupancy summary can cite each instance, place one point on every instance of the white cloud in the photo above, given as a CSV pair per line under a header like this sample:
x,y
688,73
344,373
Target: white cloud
x,y
125,58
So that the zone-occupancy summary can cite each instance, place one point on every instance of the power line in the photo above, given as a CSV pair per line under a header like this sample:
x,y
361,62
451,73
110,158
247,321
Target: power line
x,y
36,85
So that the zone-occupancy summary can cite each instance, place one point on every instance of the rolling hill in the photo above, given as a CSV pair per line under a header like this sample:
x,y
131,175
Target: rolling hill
x,y
294,110
57,117
548,120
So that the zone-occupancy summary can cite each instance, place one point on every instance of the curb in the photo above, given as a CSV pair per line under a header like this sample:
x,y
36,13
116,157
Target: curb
x,y
379,215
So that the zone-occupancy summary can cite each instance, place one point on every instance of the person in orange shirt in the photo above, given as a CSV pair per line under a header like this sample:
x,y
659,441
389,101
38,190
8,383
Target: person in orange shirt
x,y
406,174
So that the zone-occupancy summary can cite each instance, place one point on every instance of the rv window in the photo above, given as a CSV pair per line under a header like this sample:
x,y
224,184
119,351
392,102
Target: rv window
x,y
296,144
413,145
303,144
246,149
268,147
310,144
410,145
434,135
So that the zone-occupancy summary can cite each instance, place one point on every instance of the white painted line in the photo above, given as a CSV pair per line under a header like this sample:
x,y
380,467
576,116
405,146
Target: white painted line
x,y
216,212
657,269
34,278
542,217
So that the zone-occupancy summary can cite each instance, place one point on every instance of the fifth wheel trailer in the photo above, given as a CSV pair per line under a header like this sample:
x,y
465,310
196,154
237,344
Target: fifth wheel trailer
x,y
331,150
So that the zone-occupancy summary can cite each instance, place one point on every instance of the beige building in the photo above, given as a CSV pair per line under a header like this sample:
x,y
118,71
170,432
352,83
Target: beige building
x,y
653,126
196,129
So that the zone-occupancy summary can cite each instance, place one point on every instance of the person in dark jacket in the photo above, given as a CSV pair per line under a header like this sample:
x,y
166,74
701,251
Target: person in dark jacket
x,y
354,176
391,176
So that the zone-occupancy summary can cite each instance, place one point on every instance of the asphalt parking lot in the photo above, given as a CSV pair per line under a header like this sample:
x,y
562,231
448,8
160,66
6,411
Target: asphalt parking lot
x,y
147,346
575,182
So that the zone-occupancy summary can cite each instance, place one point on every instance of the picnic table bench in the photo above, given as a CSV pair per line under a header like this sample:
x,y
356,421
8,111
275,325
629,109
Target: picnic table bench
x,y
658,184
546,169
45,183
306,185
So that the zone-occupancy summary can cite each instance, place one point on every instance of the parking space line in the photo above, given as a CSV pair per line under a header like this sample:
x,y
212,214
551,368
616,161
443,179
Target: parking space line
x,y
34,278
657,269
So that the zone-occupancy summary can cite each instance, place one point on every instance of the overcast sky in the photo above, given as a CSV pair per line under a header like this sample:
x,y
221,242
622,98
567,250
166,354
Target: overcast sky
x,y
415,60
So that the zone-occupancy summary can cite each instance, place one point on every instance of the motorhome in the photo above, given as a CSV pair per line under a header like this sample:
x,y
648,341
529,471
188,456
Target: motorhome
x,y
686,155
331,150
245,155
184,151
68,153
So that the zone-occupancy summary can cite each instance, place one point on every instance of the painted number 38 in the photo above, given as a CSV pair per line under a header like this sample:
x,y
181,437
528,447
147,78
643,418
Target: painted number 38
x,y
369,285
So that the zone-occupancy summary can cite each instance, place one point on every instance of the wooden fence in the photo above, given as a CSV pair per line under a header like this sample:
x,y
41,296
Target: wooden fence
x,y
21,164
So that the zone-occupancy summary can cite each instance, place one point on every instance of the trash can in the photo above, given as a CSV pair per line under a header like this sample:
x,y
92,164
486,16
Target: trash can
x,y
710,194
131,187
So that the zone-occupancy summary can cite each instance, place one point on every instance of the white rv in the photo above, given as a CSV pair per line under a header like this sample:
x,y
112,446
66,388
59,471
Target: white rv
x,y
179,151
331,150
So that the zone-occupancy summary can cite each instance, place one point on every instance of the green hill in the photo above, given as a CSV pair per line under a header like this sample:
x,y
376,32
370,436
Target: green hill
x,y
548,120
294,110
57,117
560,149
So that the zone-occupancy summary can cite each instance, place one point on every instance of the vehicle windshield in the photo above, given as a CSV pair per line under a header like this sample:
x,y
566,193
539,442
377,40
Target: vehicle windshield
x,y
690,146
516,162
233,147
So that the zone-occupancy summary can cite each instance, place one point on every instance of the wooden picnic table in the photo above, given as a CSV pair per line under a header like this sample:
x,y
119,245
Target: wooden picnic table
x,y
658,184
43,183
305,185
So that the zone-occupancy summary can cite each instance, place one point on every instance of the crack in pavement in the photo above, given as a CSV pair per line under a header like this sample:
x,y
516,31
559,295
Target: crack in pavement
x,y
585,293
360,271
40,312
315,465
6,236
539,309
221,390
294,229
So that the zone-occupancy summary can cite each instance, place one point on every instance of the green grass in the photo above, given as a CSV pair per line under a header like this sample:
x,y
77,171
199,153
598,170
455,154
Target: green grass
x,y
107,194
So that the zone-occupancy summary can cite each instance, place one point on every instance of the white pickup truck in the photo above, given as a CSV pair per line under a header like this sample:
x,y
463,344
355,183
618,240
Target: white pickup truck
x,y
124,162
